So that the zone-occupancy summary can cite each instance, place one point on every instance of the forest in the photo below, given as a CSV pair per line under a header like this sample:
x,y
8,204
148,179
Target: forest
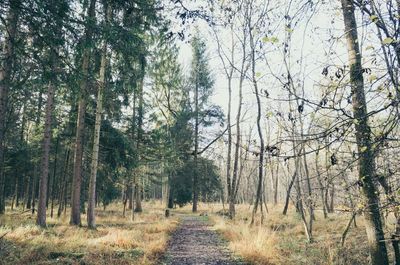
x,y
179,132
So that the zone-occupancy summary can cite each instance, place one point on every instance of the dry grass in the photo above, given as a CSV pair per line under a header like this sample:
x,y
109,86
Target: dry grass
x,y
281,239
117,240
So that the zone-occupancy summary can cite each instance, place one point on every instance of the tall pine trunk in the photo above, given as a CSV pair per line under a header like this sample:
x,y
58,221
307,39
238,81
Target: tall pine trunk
x,y
41,211
138,188
196,150
97,126
5,83
366,162
80,126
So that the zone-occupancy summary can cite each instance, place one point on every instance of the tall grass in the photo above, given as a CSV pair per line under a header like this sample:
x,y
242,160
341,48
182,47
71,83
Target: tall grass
x,y
116,240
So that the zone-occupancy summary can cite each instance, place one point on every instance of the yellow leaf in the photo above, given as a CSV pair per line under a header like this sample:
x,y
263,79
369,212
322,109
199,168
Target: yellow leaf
x,y
271,39
288,29
388,41
274,39
363,149
372,78
265,39
374,18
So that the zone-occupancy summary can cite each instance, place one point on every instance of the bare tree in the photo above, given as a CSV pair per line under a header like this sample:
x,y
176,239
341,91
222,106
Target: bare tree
x,y
366,162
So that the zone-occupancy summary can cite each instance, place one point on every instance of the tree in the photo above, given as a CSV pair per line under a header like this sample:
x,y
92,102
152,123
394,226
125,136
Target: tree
x,y
366,163
228,53
6,81
202,83
80,126
41,213
97,126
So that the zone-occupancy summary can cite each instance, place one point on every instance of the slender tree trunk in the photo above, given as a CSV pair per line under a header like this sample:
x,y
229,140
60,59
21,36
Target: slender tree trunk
x,y
366,162
276,184
170,194
80,126
321,186
138,192
53,182
133,135
34,182
129,197
15,190
125,200
133,201
41,213
196,149
328,180
236,174
392,200
5,83
258,200
99,109
63,185
27,193
230,184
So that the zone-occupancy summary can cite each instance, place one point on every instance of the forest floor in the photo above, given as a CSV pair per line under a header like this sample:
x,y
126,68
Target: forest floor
x,y
116,241
183,238
194,242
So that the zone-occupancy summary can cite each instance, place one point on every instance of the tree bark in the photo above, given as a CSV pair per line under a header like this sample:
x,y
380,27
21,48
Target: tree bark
x,y
258,200
80,126
5,83
196,148
366,162
321,186
231,186
53,182
63,188
138,192
99,110
41,212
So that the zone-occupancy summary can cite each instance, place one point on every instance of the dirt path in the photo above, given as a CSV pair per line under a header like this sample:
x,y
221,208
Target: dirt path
x,y
194,243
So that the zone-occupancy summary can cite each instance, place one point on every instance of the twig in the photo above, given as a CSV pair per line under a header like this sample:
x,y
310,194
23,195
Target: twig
x,y
1,237
345,232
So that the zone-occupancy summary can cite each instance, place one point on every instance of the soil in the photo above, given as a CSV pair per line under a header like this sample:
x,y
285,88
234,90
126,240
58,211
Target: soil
x,y
195,243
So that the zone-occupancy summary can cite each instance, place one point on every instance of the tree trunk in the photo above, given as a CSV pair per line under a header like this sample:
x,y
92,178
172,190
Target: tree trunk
x,y
53,182
99,109
129,197
321,186
80,126
133,201
230,184
63,189
15,190
41,213
196,149
366,162
258,200
236,174
138,197
5,83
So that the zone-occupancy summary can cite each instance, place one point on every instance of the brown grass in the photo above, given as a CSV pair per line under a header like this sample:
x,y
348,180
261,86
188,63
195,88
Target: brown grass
x,y
281,239
116,240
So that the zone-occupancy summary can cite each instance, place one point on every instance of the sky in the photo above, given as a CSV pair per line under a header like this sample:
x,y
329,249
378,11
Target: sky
x,y
309,38
317,41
